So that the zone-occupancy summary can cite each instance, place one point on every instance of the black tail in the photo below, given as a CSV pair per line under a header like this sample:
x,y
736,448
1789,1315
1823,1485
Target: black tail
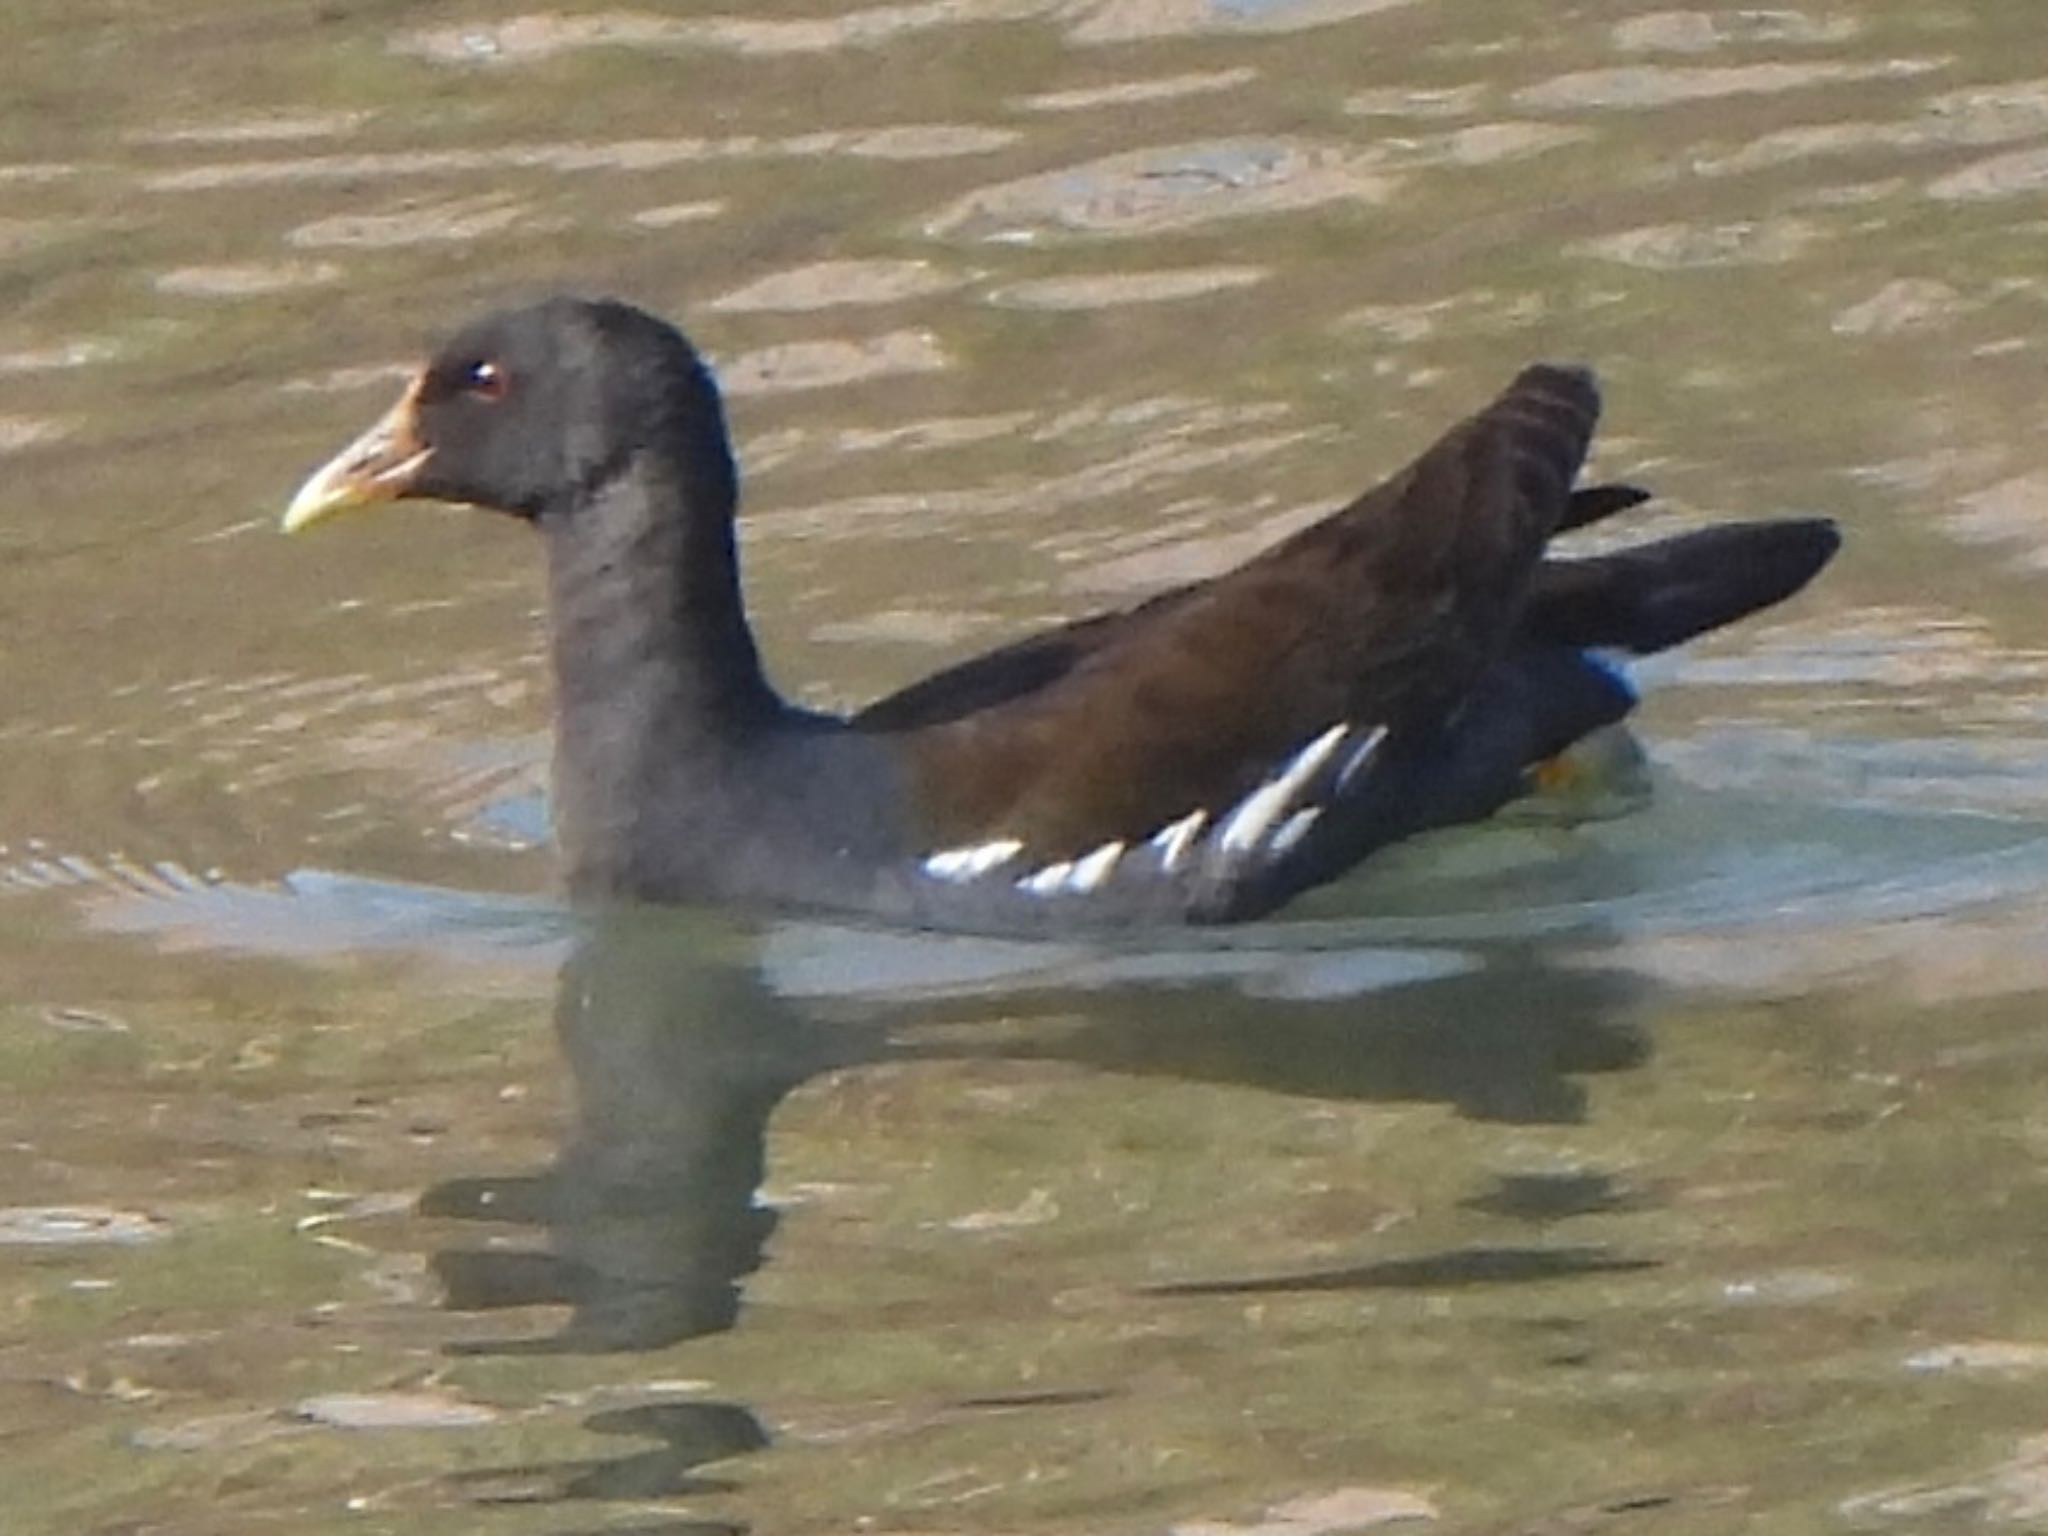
x,y
1657,595
1590,503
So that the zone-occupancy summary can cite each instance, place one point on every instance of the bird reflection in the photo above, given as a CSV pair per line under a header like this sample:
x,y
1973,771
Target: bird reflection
x,y
678,1058
681,1040
1506,1040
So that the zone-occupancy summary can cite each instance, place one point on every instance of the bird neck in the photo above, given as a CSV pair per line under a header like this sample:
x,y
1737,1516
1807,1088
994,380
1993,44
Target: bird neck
x,y
657,679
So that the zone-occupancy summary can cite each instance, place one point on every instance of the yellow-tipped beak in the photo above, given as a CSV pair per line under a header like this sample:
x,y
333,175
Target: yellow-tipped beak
x,y
381,465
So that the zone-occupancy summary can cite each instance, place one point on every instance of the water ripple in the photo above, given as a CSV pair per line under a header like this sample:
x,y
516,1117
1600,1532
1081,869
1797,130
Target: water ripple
x,y
1128,92
244,279
1655,85
69,354
266,129
19,432
903,141
1978,115
821,364
1487,144
1675,247
547,34
2019,174
669,215
826,284
826,444
2012,512
1174,187
1125,21
1902,305
1106,290
1405,101
1706,31
467,219
38,173
1175,446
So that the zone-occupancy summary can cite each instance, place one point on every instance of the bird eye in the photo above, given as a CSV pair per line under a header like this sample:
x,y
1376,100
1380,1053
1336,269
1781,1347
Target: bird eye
x,y
485,380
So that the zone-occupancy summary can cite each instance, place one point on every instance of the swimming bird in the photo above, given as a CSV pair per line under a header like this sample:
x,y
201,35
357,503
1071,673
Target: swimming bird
x,y
1407,663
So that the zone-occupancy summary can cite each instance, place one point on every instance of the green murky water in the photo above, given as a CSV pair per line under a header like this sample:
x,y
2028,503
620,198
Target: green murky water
x,y
1677,1173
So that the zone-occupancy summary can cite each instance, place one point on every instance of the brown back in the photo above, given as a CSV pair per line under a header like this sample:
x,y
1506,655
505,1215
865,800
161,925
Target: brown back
x,y
1385,613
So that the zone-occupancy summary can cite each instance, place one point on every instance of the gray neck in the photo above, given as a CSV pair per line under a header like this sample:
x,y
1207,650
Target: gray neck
x,y
658,685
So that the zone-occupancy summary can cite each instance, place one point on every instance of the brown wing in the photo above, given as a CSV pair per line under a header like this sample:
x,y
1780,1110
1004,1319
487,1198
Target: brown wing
x,y
1384,613
1037,661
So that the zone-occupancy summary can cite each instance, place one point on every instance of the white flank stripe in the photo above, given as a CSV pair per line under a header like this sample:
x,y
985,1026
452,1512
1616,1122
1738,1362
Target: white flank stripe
x,y
1174,841
1360,756
973,861
1047,881
1257,811
1092,869
1294,829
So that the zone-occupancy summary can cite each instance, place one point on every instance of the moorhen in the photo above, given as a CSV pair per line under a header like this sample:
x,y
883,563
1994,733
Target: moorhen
x,y
1408,662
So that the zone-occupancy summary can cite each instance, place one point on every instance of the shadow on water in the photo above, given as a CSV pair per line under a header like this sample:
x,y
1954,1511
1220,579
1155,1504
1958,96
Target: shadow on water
x,y
681,1044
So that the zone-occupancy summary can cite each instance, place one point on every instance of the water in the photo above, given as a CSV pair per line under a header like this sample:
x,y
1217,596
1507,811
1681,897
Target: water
x,y
1674,1170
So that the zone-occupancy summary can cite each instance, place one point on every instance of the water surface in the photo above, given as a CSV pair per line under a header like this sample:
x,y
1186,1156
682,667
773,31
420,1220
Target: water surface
x,y
1675,1171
